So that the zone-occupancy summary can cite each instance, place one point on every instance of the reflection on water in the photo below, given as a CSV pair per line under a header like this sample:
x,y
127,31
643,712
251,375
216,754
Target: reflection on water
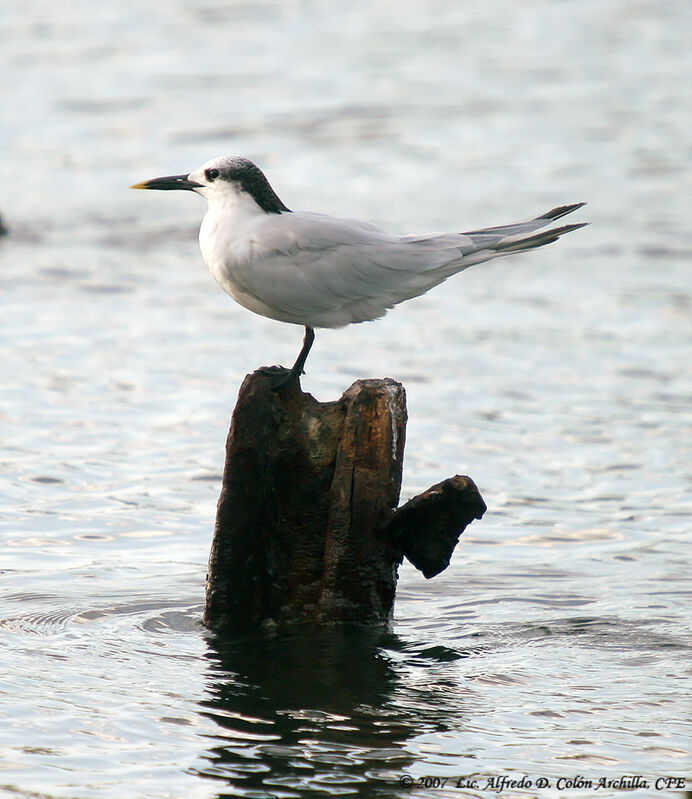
x,y
348,711
308,711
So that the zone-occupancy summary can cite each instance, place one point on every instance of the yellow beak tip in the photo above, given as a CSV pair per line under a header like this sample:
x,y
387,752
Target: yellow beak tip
x,y
139,186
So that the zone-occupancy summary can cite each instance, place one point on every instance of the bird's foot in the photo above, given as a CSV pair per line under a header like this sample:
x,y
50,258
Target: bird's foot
x,y
279,376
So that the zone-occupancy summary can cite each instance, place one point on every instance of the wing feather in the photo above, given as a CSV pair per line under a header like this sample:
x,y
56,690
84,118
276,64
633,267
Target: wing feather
x,y
327,272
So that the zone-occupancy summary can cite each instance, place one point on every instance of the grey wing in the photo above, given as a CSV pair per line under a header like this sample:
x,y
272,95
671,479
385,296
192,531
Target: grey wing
x,y
328,272
332,271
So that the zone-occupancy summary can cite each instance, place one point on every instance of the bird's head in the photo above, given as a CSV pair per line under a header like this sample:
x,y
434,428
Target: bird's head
x,y
224,180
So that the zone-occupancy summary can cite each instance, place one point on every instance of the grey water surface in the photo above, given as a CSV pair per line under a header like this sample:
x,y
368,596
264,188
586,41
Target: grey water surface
x,y
557,644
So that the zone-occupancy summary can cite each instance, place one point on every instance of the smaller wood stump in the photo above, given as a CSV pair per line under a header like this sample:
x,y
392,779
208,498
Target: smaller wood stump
x,y
306,528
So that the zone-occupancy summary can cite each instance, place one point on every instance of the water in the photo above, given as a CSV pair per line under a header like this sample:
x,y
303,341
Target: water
x,y
557,643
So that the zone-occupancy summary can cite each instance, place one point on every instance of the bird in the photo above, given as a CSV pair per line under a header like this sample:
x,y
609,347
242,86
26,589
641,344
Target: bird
x,y
322,271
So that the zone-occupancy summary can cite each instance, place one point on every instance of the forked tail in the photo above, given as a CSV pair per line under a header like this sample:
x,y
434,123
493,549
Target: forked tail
x,y
519,236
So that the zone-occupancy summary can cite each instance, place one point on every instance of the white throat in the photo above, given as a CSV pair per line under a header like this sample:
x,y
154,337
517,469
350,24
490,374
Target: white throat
x,y
226,236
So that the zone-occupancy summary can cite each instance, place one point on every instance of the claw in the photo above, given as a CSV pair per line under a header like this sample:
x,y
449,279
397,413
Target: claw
x,y
279,376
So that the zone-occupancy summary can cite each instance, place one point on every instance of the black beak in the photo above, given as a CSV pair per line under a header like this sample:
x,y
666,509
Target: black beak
x,y
168,183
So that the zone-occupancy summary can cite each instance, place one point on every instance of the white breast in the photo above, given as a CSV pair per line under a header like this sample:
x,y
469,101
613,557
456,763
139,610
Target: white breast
x,y
228,244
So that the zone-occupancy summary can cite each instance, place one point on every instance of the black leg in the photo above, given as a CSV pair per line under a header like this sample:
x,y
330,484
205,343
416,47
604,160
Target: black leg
x,y
297,368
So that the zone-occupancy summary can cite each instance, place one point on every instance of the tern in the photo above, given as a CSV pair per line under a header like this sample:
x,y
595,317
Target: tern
x,y
316,270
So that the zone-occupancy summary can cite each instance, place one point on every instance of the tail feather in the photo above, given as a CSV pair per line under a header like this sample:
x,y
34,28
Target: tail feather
x,y
528,225
538,240
458,251
455,252
561,210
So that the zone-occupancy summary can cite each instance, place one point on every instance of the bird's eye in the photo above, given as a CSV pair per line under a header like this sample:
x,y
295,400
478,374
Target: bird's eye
x,y
211,174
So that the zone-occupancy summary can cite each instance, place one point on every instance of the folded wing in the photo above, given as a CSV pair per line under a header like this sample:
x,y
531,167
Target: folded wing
x,y
328,272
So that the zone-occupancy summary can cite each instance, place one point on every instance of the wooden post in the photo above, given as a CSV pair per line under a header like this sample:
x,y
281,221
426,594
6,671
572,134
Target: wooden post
x,y
306,528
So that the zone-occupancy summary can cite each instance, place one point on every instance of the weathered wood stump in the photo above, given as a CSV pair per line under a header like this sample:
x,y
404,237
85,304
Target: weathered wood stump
x,y
306,526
